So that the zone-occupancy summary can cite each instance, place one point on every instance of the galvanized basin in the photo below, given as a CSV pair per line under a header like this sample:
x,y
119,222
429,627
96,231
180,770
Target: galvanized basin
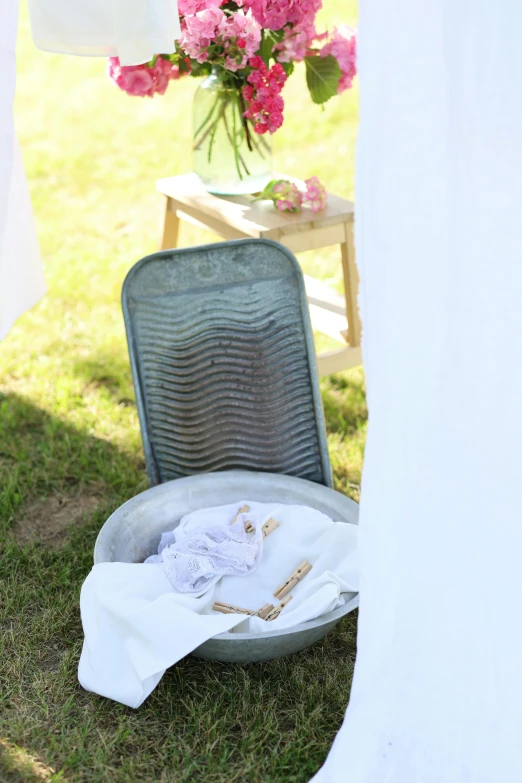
x,y
133,532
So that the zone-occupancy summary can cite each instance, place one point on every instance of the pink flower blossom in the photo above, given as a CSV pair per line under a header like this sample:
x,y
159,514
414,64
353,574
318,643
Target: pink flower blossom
x,y
275,14
188,7
262,94
315,195
212,26
142,80
296,43
199,31
343,46
240,36
288,197
177,73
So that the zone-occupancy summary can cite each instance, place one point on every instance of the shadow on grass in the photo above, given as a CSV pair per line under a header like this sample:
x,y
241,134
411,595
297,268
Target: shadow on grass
x,y
42,456
110,372
212,722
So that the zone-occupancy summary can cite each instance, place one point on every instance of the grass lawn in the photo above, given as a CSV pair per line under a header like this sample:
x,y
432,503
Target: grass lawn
x,y
70,450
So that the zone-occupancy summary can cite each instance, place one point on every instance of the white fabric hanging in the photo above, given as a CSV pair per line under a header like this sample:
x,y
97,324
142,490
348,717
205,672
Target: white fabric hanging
x,y
21,276
437,694
22,282
135,30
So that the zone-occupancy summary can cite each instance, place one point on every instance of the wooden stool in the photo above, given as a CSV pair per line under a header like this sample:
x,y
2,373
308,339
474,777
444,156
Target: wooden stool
x,y
238,217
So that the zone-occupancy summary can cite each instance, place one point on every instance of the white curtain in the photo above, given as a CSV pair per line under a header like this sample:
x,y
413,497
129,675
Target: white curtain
x,y
21,276
437,695
135,30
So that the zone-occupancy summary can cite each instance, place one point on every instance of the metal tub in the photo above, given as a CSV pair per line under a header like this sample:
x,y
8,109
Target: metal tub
x,y
133,532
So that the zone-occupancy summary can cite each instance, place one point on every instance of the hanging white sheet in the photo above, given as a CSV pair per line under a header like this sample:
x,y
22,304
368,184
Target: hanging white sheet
x,y
21,276
135,30
437,695
22,282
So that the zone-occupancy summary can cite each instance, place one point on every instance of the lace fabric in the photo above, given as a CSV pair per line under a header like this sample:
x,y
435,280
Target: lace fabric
x,y
200,551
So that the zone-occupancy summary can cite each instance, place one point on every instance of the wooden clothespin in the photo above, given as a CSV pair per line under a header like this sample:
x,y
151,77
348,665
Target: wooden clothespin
x,y
278,609
299,573
267,528
242,510
264,611
231,609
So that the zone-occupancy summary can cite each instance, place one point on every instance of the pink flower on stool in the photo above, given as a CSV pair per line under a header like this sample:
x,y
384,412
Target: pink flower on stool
x,y
288,197
315,196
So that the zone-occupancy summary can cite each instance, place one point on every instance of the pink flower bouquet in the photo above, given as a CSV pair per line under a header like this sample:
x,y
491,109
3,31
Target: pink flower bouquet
x,y
249,48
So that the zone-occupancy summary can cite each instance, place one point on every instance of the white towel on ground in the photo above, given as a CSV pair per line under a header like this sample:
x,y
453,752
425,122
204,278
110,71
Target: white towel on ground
x,y
136,625
135,30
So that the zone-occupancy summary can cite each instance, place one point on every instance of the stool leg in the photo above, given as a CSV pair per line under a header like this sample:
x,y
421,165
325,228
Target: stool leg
x,y
351,285
170,227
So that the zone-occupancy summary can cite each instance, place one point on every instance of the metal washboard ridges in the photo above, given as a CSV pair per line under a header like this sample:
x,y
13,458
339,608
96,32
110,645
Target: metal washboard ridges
x,y
223,362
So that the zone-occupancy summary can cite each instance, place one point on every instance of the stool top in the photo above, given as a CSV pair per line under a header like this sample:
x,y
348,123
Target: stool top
x,y
251,218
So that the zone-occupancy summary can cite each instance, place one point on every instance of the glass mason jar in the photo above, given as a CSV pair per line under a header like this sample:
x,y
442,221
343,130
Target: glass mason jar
x,y
228,155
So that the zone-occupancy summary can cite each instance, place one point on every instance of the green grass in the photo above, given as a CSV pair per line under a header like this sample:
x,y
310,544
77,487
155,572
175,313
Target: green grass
x,y
69,429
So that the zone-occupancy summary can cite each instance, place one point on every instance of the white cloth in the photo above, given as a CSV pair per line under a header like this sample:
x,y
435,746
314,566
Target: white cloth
x,y
21,276
136,625
437,694
206,546
135,30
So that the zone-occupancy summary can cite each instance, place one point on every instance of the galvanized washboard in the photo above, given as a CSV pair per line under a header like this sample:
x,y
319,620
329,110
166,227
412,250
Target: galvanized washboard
x,y
223,362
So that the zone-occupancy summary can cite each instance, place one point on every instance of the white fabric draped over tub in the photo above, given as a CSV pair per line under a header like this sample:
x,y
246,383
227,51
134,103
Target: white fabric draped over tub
x,y
437,695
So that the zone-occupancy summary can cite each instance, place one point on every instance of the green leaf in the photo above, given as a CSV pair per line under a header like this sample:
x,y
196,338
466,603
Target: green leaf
x,y
184,66
200,69
322,76
270,187
268,192
265,50
277,35
268,41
